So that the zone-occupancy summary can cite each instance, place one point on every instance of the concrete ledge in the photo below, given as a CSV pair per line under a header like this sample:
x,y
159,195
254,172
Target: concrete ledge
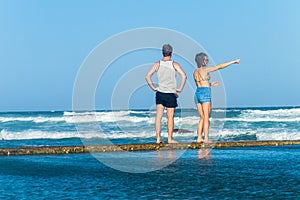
x,y
47,150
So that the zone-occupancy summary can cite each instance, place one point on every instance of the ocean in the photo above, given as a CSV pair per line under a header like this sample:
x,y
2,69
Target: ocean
x,y
231,173
57,128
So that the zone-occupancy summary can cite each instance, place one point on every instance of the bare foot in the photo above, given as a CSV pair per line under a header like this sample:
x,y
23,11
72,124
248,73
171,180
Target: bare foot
x,y
172,142
199,140
207,142
159,141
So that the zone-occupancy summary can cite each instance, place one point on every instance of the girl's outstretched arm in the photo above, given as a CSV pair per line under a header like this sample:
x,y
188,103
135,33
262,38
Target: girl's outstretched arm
x,y
221,66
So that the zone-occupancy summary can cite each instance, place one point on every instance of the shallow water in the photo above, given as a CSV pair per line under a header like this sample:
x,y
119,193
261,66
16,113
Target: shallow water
x,y
235,173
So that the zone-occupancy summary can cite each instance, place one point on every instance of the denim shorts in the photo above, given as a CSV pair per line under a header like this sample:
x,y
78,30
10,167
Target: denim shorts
x,y
202,95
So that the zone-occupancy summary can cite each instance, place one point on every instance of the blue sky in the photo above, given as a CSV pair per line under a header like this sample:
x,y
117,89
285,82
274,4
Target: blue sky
x,y
44,43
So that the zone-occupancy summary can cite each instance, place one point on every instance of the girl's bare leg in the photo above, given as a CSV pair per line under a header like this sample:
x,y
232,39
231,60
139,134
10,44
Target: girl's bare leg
x,y
200,123
206,111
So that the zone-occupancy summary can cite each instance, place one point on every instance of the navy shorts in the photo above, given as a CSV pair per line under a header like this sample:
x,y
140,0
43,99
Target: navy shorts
x,y
168,100
202,95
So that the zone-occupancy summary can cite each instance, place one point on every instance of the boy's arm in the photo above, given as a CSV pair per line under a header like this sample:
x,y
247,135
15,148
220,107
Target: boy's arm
x,y
152,70
182,74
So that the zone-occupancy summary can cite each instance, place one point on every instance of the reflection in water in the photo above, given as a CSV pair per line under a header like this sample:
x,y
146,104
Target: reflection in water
x,y
171,155
167,154
204,153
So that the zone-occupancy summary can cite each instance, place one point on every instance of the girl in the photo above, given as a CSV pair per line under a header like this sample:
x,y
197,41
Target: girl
x,y
203,93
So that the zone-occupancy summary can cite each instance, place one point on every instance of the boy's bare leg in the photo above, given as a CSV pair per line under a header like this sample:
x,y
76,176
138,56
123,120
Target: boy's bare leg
x,y
170,114
159,115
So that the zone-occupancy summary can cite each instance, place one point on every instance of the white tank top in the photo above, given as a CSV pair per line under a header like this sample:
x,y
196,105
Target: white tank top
x,y
166,75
